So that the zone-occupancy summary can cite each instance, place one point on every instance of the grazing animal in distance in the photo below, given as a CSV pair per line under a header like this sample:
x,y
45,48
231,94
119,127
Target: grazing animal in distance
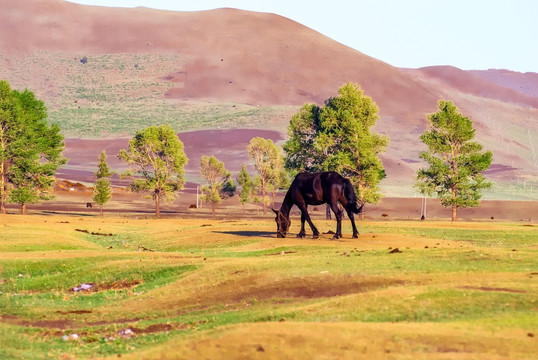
x,y
316,189
89,205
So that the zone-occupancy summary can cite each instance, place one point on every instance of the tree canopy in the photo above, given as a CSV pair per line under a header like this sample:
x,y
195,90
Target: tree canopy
x,y
245,181
337,137
102,191
268,161
156,155
220,185
455,162
30,149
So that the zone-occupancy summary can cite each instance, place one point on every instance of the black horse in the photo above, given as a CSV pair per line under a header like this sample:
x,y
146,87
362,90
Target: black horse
x,y
316,189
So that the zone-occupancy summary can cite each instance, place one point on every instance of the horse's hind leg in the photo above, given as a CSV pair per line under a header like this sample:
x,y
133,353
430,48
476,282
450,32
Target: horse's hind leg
x,y
352,219
338,214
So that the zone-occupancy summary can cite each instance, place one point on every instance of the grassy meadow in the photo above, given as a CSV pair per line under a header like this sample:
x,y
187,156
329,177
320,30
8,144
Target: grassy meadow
x,y
205,288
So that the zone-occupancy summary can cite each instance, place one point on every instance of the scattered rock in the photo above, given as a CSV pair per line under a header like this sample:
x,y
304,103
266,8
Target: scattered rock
x,y
395,251
83,287
127,333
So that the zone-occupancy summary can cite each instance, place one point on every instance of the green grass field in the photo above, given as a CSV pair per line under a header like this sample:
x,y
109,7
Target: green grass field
x,y
193,288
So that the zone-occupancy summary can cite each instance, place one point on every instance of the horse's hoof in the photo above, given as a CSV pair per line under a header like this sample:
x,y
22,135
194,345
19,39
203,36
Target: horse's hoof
x,y
315,236
300,236
280,236
355,236
336,237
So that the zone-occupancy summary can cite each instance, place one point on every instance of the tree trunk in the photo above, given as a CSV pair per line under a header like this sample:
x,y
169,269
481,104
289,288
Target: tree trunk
x,y
212,208
101,210
23,209
454,206
263,199
454,213
157,205
3,194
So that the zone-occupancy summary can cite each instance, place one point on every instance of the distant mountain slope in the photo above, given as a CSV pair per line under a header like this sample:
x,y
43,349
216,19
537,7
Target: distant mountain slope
x,y
526,83
109,71
478,84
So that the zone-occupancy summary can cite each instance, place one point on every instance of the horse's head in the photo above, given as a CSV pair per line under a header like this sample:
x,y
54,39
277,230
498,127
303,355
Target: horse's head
x,y
282,224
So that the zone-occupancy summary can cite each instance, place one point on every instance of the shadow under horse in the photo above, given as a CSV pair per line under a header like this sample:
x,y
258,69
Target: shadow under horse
x,y
316,189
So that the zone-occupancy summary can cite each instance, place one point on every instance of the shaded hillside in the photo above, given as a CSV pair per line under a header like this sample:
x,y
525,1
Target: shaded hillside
x,y
110,71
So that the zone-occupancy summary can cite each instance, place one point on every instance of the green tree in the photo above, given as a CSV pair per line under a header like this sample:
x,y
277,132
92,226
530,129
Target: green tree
x,y
455,162
347,144
156,155
268,162
102,191
10,126
303,130
30,149
337,137
220,185
244,180
279,181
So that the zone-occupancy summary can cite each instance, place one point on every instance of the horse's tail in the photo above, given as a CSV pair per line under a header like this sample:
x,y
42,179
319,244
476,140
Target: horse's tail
x,y
349,193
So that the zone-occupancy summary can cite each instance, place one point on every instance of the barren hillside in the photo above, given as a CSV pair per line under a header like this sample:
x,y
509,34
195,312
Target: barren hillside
x,y
107,72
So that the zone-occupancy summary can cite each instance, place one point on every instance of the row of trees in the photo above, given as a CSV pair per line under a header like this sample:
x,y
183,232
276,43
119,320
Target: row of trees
x,y
335,136
156,161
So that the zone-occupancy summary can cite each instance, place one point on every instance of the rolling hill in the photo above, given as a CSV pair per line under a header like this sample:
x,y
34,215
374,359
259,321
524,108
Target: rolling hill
x,y
107,72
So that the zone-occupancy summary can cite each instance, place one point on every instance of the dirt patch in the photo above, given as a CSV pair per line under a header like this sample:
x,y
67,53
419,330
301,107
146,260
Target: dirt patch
x,y
485,288
307,287
94,233
48,324
74,312
116,285
155,328
282,253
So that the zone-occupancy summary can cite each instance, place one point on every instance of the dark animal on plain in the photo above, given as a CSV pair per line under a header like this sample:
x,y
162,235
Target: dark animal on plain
x,y
89,205
316,189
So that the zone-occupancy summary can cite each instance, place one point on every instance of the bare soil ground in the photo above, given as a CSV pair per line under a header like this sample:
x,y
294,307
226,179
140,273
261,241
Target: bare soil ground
x,y
128,204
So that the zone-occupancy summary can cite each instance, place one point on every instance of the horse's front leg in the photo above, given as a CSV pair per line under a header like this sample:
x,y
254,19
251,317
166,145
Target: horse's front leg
x,y
302,233
304,214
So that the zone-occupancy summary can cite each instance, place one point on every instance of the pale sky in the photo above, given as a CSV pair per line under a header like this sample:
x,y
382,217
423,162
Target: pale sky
x,y
468,34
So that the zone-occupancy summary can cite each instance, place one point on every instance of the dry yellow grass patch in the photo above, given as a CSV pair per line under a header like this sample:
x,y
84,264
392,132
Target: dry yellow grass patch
x,y
292,340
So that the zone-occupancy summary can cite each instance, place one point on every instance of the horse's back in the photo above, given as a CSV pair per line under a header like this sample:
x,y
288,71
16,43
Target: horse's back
x,y
317,188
